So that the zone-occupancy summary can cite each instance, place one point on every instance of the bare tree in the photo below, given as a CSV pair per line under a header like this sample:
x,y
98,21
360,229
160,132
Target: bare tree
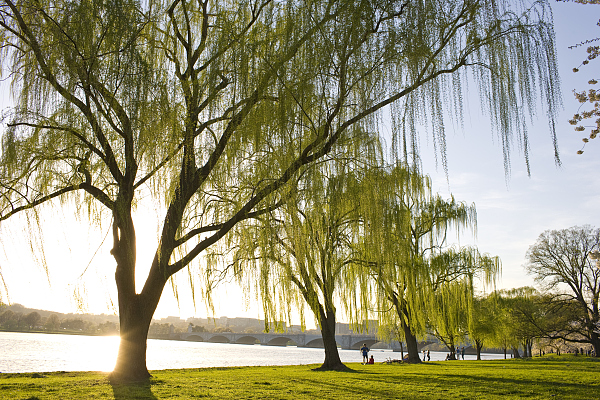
x,y
564,261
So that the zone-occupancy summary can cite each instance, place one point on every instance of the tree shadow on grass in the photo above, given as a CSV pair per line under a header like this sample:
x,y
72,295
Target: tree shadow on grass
x,y
339,368
133,391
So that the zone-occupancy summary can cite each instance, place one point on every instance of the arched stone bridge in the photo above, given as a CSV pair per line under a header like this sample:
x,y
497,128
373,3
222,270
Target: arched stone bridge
x,y
277,339
350,342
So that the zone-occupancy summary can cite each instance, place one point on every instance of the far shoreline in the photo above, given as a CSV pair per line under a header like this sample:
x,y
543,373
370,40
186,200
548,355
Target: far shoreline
x,y
154,337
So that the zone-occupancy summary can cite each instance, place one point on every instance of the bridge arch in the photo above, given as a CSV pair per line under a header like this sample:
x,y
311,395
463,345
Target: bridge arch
x,y
279,341
421,345
219,339
247,340
195,338
318,343
359,344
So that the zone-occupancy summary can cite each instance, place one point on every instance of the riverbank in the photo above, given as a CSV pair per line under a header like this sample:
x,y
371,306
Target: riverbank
x,y
33,352
563,377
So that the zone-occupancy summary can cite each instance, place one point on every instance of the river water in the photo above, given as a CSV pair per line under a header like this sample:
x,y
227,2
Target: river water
x,y
38,352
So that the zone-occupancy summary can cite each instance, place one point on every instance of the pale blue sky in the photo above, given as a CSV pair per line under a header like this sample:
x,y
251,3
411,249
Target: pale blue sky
x,y
511,213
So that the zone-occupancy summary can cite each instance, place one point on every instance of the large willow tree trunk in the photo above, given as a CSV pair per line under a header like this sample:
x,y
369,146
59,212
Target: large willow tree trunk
x,y
131,360
410,338
135,310
332,356
411,345
135,316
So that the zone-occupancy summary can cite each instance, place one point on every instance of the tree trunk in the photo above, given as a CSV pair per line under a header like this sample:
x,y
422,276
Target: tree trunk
x,y
411,344
410,338
135,316
595,342
516,352
332,356
135,310
452,349
478,347
131,359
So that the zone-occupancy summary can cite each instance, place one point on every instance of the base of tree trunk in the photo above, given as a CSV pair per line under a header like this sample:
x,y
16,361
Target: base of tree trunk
x,y
411,345
336,367
131,363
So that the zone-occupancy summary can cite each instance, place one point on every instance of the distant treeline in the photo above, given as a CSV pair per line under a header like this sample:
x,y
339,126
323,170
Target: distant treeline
x,y
34,321
19,318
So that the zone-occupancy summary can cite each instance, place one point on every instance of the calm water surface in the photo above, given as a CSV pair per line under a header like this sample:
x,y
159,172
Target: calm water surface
x,y
38,352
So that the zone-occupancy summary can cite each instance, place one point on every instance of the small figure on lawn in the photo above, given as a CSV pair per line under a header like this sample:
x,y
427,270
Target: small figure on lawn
x,y
365,353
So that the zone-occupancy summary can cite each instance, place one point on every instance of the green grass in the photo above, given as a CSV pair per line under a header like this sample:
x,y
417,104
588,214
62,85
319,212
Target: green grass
x,y
550,377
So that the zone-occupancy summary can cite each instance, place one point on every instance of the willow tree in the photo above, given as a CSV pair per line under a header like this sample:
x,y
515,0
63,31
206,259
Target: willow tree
x,y
528,318
486,322
213,107
451,280
302,251
503,336
405,242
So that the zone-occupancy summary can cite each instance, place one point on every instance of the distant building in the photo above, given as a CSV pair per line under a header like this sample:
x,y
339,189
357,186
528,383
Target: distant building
x,y
342,328
171,320
370,327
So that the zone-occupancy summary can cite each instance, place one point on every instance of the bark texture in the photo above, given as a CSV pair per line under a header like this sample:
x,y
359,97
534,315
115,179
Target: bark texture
x,y
332,356
411,345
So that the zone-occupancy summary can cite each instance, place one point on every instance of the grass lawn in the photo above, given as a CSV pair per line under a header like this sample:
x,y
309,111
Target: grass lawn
x,y
549,377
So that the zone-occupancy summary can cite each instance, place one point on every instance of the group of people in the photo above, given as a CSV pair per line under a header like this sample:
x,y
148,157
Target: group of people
x,y
366,360
460,352
426,355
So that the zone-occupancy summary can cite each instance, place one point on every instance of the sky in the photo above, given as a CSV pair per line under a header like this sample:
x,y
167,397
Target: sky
x,y
512,211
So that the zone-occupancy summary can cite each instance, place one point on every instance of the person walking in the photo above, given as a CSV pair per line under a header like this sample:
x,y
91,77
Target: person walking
x,y
365,353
